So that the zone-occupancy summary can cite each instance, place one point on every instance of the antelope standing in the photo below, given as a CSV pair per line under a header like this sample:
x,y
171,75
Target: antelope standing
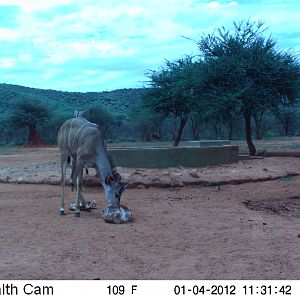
x,y
84,142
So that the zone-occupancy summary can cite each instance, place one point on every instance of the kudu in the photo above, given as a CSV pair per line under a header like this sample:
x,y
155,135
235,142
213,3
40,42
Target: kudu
x,y
84,142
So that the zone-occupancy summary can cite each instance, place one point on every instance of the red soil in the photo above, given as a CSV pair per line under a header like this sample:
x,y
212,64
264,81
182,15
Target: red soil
x,y
245,231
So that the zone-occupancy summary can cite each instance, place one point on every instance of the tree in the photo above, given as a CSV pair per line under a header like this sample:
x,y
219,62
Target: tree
x,y
171,91
246,72
146,121
287,117
198,120
100,116
158,120
49,130
195,122
140,119
30,114
258,118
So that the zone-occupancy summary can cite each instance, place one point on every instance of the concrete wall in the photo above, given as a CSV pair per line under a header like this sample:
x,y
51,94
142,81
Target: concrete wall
x,y
208,143
173,156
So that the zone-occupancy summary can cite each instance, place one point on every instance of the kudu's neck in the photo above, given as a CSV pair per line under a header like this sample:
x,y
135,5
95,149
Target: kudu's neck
x,y
104,169
103,165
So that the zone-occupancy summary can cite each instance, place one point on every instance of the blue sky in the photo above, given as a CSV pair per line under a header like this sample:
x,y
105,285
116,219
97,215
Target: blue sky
x,y
97,45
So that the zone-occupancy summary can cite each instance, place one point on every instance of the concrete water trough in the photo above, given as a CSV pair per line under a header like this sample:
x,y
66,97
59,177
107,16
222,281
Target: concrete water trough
x,y
167,157
208,143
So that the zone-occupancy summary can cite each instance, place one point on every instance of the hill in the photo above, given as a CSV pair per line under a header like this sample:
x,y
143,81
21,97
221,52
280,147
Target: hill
x,y
117,102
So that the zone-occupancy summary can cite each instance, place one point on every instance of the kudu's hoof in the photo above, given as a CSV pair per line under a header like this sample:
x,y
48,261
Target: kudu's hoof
x,y
77,214
62,213
88,206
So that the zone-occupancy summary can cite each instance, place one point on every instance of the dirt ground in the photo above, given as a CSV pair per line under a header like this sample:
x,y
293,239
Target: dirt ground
x,y
238,229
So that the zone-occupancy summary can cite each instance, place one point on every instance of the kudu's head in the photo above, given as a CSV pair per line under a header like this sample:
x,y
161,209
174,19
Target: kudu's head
x,y
81,114
114,188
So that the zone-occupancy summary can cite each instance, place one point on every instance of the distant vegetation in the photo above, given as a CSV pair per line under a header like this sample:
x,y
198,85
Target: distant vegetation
x,y
240,86
239,75
114,106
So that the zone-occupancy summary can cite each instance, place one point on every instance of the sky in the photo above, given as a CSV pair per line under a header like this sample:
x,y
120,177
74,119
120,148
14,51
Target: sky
x,y
102,45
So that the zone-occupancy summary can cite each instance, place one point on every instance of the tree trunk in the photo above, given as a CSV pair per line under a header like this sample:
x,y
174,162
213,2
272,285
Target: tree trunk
x,y
287,124
195,128
258,121
286,127
218,128
287,120
250,144
145,134
159,130
194,133
34,139
230,131
258,133
180,130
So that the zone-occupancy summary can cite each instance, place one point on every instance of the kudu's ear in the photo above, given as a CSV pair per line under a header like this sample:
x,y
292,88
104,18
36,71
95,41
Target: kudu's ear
x,y
117,177
109,180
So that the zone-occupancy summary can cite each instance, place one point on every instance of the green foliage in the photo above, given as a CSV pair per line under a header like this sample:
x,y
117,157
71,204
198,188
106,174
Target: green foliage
x,y
171,91
146,121
61,105
287,116
197,120
117,102
102,117
49,130
29,114
141,119
239,75
244,73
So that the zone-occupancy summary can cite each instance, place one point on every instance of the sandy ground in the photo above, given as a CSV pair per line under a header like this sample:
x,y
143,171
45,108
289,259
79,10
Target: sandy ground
x,y
41,166
237,231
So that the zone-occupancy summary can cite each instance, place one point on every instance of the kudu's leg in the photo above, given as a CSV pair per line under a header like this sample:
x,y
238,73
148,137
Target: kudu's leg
x,y
81,200
63,165
74,183
73,174
79,173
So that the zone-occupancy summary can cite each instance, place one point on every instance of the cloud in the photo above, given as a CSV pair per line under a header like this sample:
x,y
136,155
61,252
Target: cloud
x,y
25,58
99,49
112,43
90,72
213,5
7,62
9,35
34,5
